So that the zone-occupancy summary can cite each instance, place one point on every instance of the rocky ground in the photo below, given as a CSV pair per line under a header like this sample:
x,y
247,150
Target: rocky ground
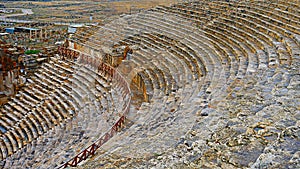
x,y
256,126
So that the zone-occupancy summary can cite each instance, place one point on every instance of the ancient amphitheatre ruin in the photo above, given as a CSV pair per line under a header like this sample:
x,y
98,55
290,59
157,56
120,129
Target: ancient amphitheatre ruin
x,y
206,84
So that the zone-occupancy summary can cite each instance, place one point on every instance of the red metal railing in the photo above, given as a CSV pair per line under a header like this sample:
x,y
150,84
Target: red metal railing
x,y
119,80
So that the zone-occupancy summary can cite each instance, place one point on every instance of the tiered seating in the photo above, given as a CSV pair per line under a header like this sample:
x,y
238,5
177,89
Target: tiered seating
x,y
79,91
192,44
216,46
191,59
24,117
163,74
273,28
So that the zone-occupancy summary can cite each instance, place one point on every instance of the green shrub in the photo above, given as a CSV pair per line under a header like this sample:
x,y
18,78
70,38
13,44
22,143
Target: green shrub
x,y
28,52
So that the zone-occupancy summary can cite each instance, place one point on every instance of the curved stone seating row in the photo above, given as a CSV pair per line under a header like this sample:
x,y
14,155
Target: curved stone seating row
x,y
87,123
283,58
100,84
283,8
28,98
100,103
145,54
186,51
143,57
289,23
97,86
169,29
253,43
192,42
148,64
236,43
179,50
275,16
122,97
277,36
233,43
24,122
261,54
24,113
155,74
276,25
155,107
273,58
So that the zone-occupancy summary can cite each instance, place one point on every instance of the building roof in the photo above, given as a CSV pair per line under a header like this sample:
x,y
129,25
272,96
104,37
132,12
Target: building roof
x,y
9,28
29,29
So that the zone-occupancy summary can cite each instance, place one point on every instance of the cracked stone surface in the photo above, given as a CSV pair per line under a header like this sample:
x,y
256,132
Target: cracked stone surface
x,y
258,128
